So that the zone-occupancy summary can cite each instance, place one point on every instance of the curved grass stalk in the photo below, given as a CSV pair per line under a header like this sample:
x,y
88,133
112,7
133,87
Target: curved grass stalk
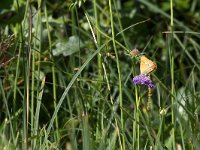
x,y
67,90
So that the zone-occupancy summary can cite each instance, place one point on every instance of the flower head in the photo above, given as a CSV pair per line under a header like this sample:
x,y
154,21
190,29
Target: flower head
x,y
135,52
143,79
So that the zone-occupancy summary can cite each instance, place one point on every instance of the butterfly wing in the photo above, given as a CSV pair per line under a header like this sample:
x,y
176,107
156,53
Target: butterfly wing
x,y
146,65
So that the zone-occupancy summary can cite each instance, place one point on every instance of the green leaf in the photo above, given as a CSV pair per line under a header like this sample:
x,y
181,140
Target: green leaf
x,y
69,47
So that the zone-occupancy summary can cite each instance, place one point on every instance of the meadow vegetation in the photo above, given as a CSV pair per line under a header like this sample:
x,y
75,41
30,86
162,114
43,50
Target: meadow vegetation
x,y
66,72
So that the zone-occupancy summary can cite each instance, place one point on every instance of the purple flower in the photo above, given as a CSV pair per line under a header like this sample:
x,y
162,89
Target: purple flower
x,y
143,79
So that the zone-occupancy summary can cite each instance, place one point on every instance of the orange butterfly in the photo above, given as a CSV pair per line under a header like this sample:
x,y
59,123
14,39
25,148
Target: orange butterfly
x,y
146,65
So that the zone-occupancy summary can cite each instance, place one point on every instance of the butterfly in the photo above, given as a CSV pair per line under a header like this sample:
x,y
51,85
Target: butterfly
x,y
146,65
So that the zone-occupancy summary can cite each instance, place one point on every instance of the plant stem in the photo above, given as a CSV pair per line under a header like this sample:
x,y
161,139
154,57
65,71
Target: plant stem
x,y
53,72
119,74
172,74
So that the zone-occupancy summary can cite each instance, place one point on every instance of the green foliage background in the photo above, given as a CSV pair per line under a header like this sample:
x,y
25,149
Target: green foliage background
x,y
66,74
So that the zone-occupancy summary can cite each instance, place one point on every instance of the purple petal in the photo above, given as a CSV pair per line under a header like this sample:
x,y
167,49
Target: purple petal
x,y
144,80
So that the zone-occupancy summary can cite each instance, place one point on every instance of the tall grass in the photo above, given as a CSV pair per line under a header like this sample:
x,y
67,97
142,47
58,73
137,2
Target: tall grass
x,y
66,79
